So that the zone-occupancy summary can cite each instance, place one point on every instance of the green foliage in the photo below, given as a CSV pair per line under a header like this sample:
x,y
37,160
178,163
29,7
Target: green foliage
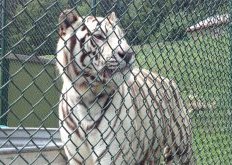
x,y
174,26
34,28
144,18
84,8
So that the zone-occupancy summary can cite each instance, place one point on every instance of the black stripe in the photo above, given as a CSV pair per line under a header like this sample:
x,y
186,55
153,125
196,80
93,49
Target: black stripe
x,y
82,41
134,100
150,114
92,43
175,95
98,97
169,158
173,113
161,109
106,29
84,27
115,122
83,56
181,152
73,41
68,118
106,106
84,52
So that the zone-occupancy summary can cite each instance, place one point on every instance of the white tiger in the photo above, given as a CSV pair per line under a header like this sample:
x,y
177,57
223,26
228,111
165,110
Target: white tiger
x,y
109,112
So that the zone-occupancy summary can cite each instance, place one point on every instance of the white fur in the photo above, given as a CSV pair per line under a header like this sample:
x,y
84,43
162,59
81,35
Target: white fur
x,y
142,105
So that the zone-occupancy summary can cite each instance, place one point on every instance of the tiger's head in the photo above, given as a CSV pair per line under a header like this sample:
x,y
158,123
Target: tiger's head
x,y
93,47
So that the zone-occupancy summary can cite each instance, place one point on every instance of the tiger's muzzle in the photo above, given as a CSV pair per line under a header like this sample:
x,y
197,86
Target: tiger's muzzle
x,y
113,66
108,72
127,57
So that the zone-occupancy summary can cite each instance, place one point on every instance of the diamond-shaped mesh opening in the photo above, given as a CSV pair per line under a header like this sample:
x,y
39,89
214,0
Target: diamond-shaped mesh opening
x,y
149,84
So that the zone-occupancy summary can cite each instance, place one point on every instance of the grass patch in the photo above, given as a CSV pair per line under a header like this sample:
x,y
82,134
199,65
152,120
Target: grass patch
x,y
201,68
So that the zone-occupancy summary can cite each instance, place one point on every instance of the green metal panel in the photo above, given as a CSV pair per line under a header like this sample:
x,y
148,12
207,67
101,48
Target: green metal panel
x,y
34,105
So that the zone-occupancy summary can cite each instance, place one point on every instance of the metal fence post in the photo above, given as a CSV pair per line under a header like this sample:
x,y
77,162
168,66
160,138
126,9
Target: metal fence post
x,y
94,7
4,69
230,44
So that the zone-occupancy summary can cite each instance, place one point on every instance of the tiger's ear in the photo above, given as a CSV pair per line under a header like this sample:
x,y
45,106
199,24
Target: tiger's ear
x,y
112,17
66,19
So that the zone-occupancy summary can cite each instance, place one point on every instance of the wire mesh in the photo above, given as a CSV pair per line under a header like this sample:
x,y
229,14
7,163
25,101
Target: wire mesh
x,y
185,41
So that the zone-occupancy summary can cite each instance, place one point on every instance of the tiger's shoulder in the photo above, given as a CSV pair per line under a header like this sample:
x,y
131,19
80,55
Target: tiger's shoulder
x,y
148,82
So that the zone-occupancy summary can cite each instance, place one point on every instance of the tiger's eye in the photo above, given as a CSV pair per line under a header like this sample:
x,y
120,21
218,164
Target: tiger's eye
x,y
99,37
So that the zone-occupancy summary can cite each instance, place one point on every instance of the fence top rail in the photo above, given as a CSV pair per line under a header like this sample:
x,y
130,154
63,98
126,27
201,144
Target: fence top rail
x,y
19,137
32,59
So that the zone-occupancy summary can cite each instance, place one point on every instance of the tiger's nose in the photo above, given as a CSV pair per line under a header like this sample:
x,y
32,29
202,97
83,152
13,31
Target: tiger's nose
x,y
126,56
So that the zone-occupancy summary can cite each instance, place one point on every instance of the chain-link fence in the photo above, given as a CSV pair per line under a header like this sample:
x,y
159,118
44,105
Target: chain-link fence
x,y
104,110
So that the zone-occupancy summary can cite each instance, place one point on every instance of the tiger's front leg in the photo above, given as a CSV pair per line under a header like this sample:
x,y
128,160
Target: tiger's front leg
x,y
107,151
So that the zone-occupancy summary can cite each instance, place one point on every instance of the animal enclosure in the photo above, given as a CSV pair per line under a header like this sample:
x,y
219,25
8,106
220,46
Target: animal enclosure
x,y
188,42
